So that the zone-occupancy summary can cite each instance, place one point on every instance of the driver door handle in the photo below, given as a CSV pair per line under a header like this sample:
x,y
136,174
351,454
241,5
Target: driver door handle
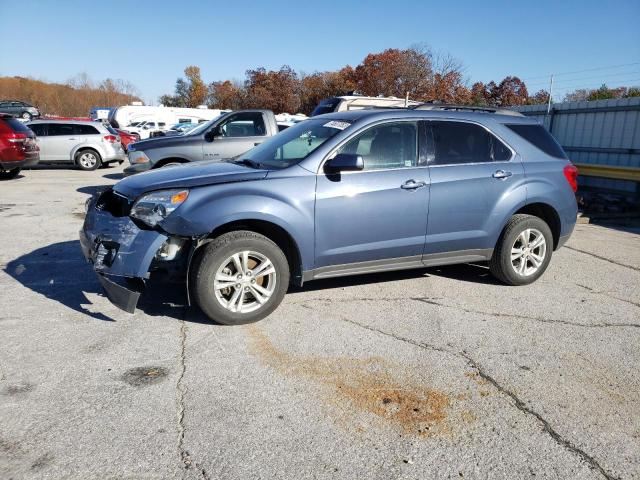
x,y
502,174
412,185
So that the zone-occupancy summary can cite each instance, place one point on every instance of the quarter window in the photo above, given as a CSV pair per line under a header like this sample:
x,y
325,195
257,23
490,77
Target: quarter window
x,y
460,142
392,145
86,130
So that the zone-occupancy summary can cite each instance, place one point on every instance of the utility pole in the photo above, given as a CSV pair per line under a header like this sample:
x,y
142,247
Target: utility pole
x,y
550,94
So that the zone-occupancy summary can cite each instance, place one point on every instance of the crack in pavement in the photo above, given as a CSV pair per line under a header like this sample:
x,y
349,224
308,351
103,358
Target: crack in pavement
x,y
429,301
181,391
637,269
607,294
432,301
518,403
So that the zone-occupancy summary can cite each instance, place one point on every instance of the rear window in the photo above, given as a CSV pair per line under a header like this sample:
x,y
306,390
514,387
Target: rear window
x,y
538,136
16,125
326,106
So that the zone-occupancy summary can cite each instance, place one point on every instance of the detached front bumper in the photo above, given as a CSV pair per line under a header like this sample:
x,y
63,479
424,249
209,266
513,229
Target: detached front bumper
x,y
120,252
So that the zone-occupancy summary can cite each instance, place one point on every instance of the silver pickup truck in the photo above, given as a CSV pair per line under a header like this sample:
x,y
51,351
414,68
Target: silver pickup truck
x,y
223,137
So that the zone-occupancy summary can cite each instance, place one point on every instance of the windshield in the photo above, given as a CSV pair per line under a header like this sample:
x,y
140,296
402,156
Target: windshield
x,y
134,124
293,144
202,127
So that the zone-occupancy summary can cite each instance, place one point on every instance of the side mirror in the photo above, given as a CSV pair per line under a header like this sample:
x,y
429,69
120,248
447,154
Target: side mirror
x,y
345,162
212,134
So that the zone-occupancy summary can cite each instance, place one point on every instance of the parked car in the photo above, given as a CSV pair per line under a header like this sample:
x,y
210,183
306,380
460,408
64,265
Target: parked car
x,y
19,109
146,128
18,148
88,145
359,102
126,138
224,137
341,194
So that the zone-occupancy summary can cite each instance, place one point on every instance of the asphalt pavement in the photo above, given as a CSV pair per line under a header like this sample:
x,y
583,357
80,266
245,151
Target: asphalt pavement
x,y
423,374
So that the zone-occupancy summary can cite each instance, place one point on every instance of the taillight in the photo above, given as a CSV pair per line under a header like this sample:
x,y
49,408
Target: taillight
x,y
110,138
571,174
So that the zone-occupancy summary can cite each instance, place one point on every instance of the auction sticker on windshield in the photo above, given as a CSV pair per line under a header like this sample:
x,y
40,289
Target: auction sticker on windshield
x,y
337,124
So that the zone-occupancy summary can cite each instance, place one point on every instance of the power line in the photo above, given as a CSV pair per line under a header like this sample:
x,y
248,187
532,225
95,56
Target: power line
x,y
582,71
599,77
592,87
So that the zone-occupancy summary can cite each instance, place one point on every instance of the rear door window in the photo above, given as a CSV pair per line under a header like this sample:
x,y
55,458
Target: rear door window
x,y
60,129
39,129
460,142
538,136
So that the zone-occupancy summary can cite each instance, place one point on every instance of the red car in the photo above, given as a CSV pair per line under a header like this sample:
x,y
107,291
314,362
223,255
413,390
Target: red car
x,y
127,138
18,147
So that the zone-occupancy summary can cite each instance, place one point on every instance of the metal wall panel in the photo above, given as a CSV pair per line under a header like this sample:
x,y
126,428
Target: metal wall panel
x,y
611,124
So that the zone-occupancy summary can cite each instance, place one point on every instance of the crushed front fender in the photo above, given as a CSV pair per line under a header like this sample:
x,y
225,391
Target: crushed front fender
x,y
116,247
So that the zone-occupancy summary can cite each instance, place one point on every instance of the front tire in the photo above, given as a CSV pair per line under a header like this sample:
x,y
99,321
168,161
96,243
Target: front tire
x,y
523,251
9,174
240,277
88,160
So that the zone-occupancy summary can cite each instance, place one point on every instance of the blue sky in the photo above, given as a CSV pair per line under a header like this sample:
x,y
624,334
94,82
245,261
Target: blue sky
x,y
150,42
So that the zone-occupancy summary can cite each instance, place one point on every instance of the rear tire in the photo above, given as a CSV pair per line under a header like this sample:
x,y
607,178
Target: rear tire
x,y
88,160
523,251
9,174
240,277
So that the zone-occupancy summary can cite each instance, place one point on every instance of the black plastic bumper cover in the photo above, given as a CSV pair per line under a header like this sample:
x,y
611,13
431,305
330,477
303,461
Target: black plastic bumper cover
x,y
121,296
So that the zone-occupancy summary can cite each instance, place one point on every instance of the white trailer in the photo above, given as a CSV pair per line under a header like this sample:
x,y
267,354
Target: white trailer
x,y
121,117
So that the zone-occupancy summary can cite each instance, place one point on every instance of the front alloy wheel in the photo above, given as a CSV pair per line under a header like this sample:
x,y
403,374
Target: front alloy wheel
x,y
245,281
239,277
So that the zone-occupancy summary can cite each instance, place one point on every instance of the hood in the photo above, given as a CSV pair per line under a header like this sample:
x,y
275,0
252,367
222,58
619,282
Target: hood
x,y
159,142
194,174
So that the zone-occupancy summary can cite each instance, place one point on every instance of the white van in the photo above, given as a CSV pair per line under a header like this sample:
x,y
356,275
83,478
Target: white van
x,y
359,102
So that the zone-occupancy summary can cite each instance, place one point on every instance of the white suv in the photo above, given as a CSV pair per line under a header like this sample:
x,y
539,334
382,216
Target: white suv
x,y
85,144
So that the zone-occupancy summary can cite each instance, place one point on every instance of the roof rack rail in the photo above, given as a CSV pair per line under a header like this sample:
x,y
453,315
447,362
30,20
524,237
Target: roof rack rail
x,y
465,108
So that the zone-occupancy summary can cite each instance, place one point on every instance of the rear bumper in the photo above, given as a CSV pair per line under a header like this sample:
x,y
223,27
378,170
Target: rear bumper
x,y
30,161
120,254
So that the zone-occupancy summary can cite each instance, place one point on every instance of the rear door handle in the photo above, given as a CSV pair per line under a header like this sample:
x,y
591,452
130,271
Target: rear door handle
x,y
412,185
502,174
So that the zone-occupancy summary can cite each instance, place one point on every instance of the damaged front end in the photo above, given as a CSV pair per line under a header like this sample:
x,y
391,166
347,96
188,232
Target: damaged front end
x,y
125,250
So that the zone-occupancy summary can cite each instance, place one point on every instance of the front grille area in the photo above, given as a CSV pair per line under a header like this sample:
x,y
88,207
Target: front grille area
x,y
116,205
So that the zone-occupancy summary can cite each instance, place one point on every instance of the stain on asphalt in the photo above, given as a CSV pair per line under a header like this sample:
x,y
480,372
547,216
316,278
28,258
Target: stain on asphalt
x,y
142,376
42,461
79,215
6,206
364,384
18,388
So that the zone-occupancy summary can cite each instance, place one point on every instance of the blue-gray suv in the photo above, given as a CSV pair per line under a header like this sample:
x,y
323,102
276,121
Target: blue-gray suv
x,y
339,194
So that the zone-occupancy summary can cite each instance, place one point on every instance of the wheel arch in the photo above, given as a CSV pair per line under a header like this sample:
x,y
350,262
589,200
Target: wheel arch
x,y
274,232
548,214
164,161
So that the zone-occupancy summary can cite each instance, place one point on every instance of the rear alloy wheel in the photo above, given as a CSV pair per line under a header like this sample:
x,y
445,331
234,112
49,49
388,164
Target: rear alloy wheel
x,y
9,174
26,116
88,160
523,251
240,277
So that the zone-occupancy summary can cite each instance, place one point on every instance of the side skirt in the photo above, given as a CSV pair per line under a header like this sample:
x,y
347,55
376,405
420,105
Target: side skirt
x,y
401,263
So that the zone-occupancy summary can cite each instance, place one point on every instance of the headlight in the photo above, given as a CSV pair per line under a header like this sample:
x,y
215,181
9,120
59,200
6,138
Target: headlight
x,y
137,157
154,207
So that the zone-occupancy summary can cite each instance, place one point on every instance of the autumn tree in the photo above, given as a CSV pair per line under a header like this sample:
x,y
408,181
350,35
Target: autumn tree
x,y
226,95
510,91
540,97
321,85
275,90
189,92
